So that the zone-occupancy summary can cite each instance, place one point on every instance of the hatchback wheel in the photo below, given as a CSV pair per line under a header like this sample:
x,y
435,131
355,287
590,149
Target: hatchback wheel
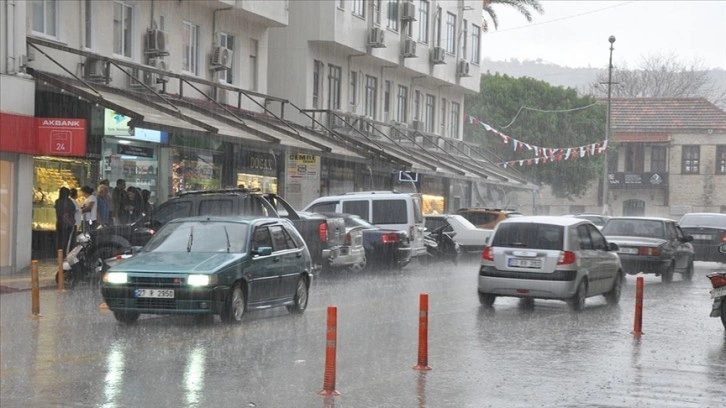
x,y
577,303
667,276
613,296
486,299
126,317
723,312
300,301
688,274
234,307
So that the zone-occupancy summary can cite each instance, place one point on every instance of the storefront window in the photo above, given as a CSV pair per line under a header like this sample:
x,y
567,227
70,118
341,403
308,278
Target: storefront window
x,y
135,162
51,174
257,170
7,174
195,169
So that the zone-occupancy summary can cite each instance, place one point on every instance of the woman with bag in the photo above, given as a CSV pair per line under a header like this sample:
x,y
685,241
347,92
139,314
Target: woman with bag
x,y
65,224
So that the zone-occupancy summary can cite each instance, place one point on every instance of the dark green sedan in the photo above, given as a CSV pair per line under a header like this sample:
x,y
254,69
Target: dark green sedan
x,y
213,265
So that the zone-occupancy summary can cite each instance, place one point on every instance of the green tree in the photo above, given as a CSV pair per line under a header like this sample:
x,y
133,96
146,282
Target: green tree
x,y
500,103
523,6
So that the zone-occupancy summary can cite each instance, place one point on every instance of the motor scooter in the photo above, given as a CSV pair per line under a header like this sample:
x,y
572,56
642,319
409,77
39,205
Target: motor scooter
x,y
440,245
718,293
76,266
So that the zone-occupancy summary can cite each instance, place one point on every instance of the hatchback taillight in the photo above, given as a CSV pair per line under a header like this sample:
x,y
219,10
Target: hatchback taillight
x,y
717,279
566,258
649,251
389,238
723,237
323,232
487,254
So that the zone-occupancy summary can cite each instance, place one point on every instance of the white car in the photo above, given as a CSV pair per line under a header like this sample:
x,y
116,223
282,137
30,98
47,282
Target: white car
x,y
470,238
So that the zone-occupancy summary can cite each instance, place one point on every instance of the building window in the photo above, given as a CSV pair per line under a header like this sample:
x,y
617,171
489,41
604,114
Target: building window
x,y
454,120
475,38
437,27
721,159
450,33
341,4
190,41
464,38
353,90
442,120
691,159
402,113
377,11
122,14
634,157
423,22
253,65
88,11
371,96
334,80
227,41
317,83
658,159
45,15
417,105
386,100
392,23
429,112
359,8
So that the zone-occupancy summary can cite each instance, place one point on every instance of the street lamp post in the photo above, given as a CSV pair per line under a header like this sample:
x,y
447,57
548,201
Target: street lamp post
x,y
606,181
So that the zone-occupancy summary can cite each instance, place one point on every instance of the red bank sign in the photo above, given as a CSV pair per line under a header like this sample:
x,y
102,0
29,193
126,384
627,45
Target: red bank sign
x,y
42,136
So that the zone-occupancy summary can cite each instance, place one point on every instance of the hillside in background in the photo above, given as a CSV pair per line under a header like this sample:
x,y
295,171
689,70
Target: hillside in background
x,y
577,78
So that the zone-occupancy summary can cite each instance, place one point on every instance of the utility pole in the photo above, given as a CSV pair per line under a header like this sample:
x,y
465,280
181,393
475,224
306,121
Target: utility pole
x,y
606,181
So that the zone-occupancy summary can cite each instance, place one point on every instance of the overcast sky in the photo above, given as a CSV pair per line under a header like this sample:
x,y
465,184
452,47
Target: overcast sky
x,y
575,33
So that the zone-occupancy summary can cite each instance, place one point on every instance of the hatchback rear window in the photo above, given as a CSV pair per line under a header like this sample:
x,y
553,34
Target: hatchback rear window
x,y
703,220
215,207
529,235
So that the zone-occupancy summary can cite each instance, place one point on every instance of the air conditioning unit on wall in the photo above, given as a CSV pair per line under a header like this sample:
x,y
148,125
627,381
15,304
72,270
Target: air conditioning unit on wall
x,y
376,37
94,69
408,11
409,48
221,59
462,68
157,42
438,55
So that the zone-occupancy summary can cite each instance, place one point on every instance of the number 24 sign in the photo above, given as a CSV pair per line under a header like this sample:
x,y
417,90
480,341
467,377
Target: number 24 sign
x,y
61,141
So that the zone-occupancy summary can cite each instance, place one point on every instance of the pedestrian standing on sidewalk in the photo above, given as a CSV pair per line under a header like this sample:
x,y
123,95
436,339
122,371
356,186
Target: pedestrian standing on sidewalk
x,y
77,214
89,208
120,201
103,214
65,223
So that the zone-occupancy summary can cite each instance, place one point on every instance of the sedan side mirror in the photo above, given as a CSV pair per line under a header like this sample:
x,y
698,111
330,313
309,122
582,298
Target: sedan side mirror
x,y
688,238
262,251
613,247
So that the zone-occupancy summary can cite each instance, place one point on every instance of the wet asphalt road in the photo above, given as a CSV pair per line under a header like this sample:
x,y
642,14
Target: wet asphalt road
x,y
76,355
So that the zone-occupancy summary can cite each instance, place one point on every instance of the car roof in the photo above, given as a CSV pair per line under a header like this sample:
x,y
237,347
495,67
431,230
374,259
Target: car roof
x,y
642,218
705,213
227,218
546,219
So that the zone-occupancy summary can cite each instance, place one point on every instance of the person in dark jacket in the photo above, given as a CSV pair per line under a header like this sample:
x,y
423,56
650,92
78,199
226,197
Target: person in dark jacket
x,y
65,224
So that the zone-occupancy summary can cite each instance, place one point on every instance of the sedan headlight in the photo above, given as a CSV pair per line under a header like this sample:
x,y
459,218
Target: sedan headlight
x,y
116,277
201,280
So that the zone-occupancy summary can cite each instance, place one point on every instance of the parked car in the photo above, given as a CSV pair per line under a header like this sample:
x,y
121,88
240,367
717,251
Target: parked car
x,y
213,265
350,255
708,231
386,209
470,238
549,257
486,218
652,245
323,237
383,247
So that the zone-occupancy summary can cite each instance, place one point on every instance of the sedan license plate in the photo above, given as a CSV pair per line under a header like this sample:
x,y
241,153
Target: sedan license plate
x,y
628,250
702,237
718,292
154,293
525,263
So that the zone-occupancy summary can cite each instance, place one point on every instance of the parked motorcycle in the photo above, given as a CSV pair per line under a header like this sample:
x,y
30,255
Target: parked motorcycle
x,y
718,293
440,245
78,265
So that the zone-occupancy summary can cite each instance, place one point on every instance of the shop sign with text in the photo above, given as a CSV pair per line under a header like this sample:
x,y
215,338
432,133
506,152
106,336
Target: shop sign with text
x,y
61,136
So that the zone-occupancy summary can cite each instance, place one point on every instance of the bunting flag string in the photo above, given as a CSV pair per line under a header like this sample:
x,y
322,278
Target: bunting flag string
x,y
542,154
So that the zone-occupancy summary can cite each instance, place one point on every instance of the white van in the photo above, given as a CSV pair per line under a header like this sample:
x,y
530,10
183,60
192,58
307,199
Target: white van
x,y
386,209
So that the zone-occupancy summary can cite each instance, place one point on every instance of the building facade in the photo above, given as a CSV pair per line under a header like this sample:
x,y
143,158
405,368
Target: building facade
x,y
183,95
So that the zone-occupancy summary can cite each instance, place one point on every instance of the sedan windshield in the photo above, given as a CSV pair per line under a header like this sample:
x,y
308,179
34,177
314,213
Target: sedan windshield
x,y
200,236
634,228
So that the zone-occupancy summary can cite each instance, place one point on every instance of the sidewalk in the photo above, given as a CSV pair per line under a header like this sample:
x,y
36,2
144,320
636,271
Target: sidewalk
x,y
21,280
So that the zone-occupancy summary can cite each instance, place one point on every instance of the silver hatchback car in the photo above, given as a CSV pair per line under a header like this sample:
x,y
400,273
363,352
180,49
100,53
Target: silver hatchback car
x,y
547,257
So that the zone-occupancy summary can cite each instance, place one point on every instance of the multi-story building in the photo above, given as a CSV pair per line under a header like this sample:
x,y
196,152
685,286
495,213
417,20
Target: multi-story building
x,y
667,157
179,95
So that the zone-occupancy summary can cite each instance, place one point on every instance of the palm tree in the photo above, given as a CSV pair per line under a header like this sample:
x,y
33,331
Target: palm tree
x,y
522,6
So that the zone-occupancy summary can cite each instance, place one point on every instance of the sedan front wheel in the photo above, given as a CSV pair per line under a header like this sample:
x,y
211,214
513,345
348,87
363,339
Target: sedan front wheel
x,y
234,307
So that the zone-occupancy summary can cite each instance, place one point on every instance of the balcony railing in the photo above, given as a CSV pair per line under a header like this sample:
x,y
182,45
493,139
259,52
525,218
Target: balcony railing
x,y
638,180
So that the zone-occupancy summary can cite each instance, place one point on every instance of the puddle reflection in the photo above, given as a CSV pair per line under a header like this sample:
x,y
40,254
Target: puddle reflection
x,y
115,367
194,376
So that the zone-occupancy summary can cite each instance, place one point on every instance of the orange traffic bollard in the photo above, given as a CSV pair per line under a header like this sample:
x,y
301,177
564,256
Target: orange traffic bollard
x,y
35,288
638,326
423,333
330,349
60,270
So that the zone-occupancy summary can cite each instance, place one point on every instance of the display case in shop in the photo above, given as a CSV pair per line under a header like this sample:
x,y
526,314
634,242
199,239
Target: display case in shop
x,y
50,175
